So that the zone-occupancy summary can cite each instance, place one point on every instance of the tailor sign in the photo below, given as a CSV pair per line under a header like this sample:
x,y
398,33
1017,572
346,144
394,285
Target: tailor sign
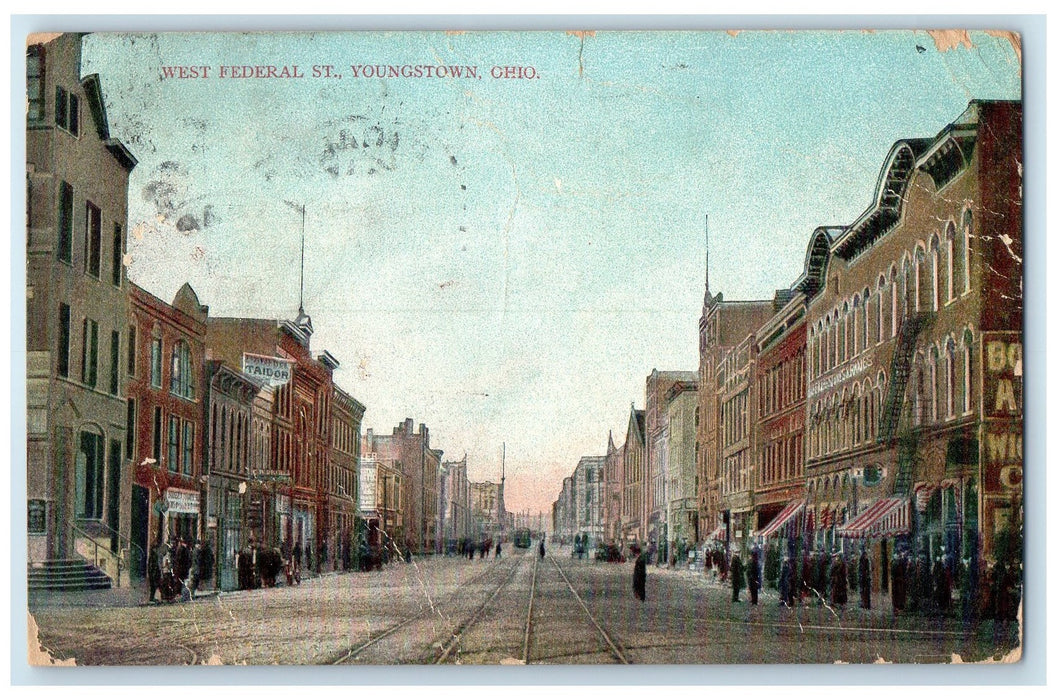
x,y
274,371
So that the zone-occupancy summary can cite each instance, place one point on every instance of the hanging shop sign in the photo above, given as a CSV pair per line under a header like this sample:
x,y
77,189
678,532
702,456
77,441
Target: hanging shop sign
x,y
181,501
274,371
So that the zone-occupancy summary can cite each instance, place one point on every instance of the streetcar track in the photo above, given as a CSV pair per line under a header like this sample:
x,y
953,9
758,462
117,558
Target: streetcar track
x,y
528,618
456,634
355,651
616,651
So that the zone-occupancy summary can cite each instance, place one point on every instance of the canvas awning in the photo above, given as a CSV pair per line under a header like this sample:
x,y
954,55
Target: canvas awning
x,y
786,515
720,533
923,494
885,518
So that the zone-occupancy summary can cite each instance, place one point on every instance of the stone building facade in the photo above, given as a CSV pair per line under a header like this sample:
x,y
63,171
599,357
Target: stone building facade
x,y
78,461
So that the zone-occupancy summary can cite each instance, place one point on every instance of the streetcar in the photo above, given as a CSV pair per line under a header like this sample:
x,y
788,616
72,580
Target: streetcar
x,y
522,538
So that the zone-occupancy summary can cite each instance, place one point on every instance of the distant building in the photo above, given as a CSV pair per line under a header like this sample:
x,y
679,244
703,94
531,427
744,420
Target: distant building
x,y
682,416
656,478
633,502
410,457
488,509
341,480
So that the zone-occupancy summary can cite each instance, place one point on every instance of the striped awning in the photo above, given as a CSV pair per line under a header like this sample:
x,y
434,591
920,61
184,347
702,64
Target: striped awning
x,y
720,533
885,518
784,517
923,494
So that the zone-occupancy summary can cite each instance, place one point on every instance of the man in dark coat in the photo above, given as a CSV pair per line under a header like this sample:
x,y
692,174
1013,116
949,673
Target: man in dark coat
x,y
941,584
970,585
737,577
182,560
865,580
785,582
838,581
753,576
638,579
807,574
899,582
498,550
154,557
543,550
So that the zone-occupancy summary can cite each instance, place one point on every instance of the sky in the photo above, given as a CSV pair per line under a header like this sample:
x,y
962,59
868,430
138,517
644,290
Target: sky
x,y
506,260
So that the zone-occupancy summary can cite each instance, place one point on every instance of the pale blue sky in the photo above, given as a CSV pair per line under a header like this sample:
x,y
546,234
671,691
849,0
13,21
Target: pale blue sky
x,y
507,260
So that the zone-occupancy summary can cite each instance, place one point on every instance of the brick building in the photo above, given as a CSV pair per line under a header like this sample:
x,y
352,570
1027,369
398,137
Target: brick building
x,y
722,327
613,472
166,409
682,416
656,478
914,349
633,501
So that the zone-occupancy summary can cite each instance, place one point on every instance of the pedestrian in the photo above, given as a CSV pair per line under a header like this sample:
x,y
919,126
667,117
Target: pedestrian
x,y
838,581
498,550
969,588
154,557
865,580
821,575
638,578
196,572
899,582
737,577
470,549
182,563
785,582
941,584
543,550
807,574
308,555
297,552
754,575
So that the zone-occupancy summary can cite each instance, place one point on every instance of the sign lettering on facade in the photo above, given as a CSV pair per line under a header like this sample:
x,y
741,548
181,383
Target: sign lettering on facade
x,y
368,482
181,501
1002,443
845,373
273,371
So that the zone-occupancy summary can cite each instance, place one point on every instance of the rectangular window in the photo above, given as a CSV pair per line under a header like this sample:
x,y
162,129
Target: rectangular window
x,y
173,463
67,110
35,84
130,429
188,447
130,368
156,433
90,353
93,233
155,363
117,257
64,247
62,108
89,477
37,512
63,362
115,361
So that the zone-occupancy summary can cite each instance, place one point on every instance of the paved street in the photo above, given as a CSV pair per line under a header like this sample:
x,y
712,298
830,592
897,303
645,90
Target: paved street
x,y
557,610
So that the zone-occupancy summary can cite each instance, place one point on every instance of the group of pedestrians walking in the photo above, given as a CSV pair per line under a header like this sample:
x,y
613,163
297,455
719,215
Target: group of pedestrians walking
x,y
176,569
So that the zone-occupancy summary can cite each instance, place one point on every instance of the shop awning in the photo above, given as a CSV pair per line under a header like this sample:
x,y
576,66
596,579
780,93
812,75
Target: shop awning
x,y
720,533
923,494
885,518
784,516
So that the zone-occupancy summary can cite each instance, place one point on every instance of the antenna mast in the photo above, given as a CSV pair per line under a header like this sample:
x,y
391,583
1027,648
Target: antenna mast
x,y
706,253
300,301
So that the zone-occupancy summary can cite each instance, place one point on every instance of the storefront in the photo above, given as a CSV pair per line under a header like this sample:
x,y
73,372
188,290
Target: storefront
x,y
181,514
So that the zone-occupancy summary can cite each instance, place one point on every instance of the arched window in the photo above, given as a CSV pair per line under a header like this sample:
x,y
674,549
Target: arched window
x,y
881,308
966,241
880,390
894,284
181,382
920,274
934,273
907,302
967,370
949,379
919,388
954,266
933,388
856,326
865,332
843,349
870,408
